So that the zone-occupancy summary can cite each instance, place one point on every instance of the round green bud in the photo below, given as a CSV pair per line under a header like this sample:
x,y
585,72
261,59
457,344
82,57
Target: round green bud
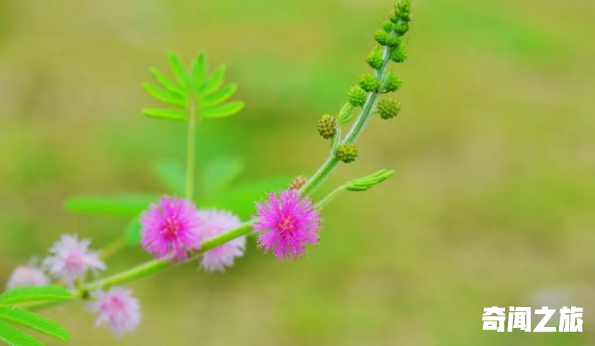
x,y
327,126
375,59
369,83
346,152
401,28
399,54
357,96
381,37
403,11
388,109
387,26
392,83
393,41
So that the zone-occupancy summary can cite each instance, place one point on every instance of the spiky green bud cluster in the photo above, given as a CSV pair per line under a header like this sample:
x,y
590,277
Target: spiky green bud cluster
x,y
392,83
346,152
381,37
357,96
387,26
402,12
399,54
327,126
375,58
388,109
369,83
393,41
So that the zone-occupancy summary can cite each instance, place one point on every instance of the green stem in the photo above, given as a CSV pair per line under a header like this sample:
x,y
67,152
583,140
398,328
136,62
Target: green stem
x,y
190,147
330,197
356,130
112,248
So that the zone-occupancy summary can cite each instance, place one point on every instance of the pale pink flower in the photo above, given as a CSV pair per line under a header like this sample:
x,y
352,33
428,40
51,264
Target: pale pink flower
x,y
286,223
170,229
70,258
117,309
27,275
213,223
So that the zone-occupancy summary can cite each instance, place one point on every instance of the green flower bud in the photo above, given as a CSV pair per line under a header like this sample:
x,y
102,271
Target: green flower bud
x,y
403,11
375,58
298,182
369,83
401,28
346,152
388,109
393,41
327,126
392,83
381,37
399,54
387,26
357,96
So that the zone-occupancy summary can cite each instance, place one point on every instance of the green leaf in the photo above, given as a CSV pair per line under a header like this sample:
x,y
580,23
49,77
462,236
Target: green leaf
x,y
165,96
178,70
219,96
199,70
222,111
16,337
168,84
32,321
172,175
219,173
241,199
28,294
132,233
124,205
214,82
163,113
367,182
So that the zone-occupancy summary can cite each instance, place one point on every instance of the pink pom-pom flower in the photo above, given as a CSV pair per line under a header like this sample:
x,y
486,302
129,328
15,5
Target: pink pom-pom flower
x,y
70,258
27,275
212,224
170,229
286,222
117,309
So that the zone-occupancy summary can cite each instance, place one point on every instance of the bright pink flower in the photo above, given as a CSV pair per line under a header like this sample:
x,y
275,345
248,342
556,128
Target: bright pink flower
x,y
213,223
116,308
27,275
170,229
287,222
70,259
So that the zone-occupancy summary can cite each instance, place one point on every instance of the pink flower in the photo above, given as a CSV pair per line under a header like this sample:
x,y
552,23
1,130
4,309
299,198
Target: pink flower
x,y
70,259
287,222
27,275
212,224
170,229
116,308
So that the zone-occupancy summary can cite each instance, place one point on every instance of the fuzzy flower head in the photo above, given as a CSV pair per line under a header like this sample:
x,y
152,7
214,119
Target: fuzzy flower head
x,y
117,309
170,229
213,223
70,258
286,222
27,275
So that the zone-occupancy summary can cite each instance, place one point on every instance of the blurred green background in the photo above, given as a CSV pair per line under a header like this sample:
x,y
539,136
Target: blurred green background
x,y
492,204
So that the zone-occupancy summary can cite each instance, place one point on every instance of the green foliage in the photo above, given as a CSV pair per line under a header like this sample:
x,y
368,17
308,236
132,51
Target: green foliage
x,y
132,233
172,175
29,294
33,321
365,183
131,205
192,90
16,337
219,174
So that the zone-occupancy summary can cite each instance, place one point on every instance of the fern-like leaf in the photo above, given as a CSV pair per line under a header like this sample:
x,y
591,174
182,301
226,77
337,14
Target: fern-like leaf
x,y
28,294
223,110
16,337
178,70
33,321
163,113
165,96
219,97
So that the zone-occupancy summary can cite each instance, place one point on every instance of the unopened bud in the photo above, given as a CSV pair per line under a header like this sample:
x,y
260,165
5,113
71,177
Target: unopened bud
x,y
346,152
399,54
357,96
388,109
298,182
392,83
369,83
327,126
381,37
375,59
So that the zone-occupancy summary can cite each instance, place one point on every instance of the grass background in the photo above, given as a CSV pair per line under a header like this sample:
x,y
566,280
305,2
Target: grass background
x,y
492,204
